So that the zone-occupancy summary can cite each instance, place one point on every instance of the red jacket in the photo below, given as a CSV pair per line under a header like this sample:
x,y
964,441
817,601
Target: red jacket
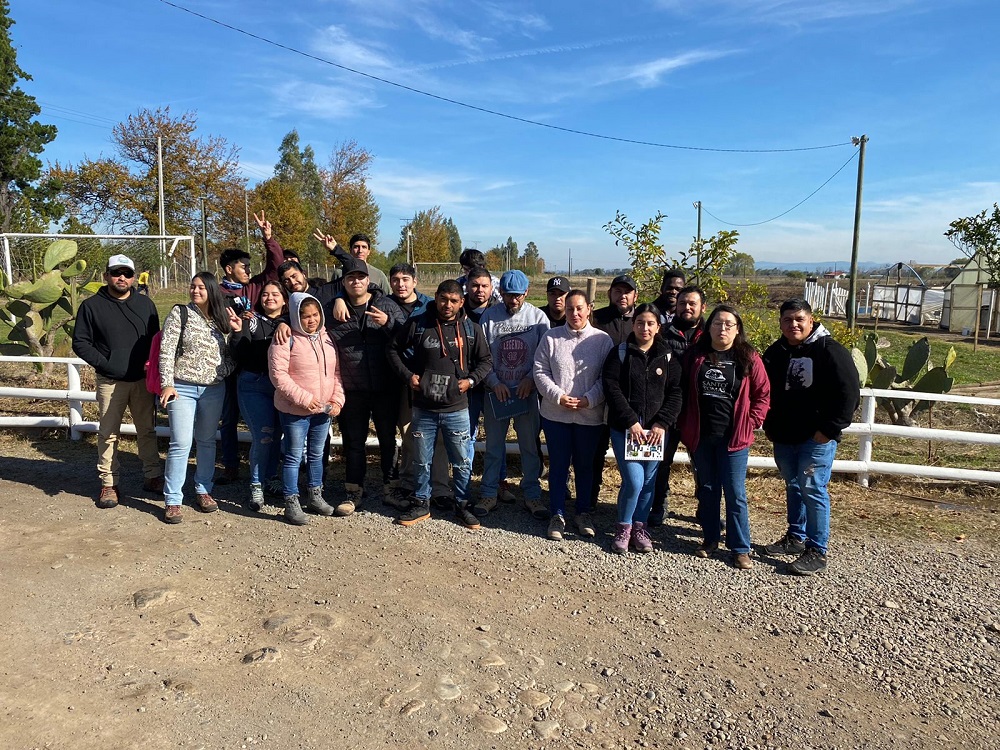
x,y
749,410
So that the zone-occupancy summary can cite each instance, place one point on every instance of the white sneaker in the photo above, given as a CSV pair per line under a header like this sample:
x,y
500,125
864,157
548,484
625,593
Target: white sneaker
x,y
556,528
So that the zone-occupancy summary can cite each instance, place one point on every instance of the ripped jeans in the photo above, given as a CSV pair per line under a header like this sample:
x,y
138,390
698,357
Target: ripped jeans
x,y
256,399
806,467
454,427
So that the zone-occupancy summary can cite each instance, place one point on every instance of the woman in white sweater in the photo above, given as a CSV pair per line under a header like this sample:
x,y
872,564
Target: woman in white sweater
x,y
568,365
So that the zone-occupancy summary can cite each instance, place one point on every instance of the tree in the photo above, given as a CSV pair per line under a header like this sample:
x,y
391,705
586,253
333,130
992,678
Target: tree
x,y
28,200
429,238
741,265
454,240
120,192
703,262
533,264
297,173
348,205
979,237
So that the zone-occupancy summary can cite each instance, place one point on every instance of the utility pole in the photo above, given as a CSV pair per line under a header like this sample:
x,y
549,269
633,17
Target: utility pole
x,y
204,233
162,210
570,272
697,257
852,289
409,252
246,205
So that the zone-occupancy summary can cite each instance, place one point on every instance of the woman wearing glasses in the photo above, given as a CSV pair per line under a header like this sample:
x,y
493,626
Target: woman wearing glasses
x,y
726,396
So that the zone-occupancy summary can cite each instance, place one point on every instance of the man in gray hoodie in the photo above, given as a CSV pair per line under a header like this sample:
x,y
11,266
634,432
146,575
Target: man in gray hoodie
x,y
513,331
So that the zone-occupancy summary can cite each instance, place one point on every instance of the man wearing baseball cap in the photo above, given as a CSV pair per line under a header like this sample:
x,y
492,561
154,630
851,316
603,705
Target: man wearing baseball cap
x,y
513,331
556,291
113,332
616,321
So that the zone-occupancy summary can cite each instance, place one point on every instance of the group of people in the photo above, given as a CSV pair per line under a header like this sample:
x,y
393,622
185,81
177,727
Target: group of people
x,y
290,354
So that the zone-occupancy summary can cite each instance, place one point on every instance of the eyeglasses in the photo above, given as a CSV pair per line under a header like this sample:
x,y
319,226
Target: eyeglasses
x,y
128,273
724,325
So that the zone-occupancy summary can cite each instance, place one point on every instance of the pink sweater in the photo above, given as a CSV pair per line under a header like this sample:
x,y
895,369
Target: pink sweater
x,y
304,369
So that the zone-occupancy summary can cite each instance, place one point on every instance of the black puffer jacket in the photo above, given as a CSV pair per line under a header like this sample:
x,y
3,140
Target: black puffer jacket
x,y
644,388
362,345
679,340
250,345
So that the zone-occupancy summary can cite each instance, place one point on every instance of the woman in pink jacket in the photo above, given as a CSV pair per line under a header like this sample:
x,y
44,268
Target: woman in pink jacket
x,y
726,396
308,392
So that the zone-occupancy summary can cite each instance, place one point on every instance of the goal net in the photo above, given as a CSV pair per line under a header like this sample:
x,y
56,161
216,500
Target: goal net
x,y
170,259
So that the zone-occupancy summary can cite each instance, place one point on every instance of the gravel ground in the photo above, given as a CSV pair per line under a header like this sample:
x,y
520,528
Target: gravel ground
x,y
232,630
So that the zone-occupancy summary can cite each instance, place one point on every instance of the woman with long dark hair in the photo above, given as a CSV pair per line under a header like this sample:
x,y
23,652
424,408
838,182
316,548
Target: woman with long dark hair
x,y
726,396
194,362
642,385
255,391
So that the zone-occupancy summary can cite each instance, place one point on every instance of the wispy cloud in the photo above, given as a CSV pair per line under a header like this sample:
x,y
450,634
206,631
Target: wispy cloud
x,y
407,188
336,44
651,73
424,14
518,20
786,12
327,102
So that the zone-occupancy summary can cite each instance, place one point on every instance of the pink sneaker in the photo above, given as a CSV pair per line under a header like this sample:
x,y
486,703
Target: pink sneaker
x,y
640,541
623,532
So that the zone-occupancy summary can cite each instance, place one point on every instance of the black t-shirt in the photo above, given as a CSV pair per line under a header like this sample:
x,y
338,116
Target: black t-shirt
x,y
718,384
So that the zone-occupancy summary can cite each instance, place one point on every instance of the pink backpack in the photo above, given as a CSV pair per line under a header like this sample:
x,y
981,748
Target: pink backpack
x,y
153,363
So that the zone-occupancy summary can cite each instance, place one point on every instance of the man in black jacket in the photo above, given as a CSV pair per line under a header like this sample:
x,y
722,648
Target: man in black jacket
x,y
371,391
112,334
814,393
449,356
686,327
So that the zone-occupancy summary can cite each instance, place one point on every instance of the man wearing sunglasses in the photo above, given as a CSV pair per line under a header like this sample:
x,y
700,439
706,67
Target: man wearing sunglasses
x,y
113,332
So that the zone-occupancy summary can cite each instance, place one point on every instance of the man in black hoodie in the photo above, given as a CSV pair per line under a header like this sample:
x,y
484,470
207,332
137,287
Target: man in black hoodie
x,y
440,355
112,334
814,393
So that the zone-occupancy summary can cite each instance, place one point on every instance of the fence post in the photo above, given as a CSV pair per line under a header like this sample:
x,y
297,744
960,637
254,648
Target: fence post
x,y
868,405
75,405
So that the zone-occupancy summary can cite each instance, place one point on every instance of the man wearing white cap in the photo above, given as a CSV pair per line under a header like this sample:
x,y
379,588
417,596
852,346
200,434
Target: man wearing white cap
x,y
113,332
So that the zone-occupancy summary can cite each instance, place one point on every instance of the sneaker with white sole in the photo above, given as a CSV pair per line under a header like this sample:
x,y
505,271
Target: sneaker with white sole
x,y
557,525
623,533
640,541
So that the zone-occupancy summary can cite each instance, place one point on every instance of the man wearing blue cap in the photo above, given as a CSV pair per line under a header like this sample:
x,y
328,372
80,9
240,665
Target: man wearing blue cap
x,y
513,331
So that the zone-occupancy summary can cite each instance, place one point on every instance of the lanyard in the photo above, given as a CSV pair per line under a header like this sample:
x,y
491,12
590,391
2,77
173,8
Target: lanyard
x,y
459,341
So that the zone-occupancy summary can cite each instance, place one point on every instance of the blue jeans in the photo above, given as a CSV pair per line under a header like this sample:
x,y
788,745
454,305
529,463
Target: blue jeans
x,y
454,428
806,468
719,470
477,406
194,417
303,435
526,426
635,498
570,443
256,397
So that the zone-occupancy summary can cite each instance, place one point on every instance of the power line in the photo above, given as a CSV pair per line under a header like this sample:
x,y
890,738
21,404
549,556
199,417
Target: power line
x,y
484,110
773,218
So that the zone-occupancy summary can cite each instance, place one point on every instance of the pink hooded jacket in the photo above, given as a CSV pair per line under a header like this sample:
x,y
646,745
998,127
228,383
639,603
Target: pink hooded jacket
x,y
305,368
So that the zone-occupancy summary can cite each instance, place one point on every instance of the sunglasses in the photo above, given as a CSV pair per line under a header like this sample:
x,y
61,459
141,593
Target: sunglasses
x,y
128,273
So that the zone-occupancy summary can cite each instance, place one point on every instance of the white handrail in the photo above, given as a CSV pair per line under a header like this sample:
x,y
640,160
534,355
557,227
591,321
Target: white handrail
x,y
866,430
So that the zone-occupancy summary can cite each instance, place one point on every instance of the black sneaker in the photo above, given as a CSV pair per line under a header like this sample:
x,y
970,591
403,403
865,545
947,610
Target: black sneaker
x,y
466,517
419,510
787,545
443,502
811,561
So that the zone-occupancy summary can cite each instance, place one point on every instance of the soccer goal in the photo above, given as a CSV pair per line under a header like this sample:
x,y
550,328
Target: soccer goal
x,y
170,259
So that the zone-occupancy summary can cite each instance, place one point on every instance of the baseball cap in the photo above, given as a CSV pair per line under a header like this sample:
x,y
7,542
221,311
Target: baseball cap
x,y
513,282
355,265
120,261
558,282
625,280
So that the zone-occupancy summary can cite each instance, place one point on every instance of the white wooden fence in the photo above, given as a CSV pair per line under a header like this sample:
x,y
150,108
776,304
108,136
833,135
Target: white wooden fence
x,y
867,429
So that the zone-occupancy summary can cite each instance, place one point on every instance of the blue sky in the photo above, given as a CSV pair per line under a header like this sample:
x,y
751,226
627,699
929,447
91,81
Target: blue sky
x,y
916,76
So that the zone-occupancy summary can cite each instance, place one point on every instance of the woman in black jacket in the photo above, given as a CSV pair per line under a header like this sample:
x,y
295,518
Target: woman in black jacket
x,y
254,391
642,386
